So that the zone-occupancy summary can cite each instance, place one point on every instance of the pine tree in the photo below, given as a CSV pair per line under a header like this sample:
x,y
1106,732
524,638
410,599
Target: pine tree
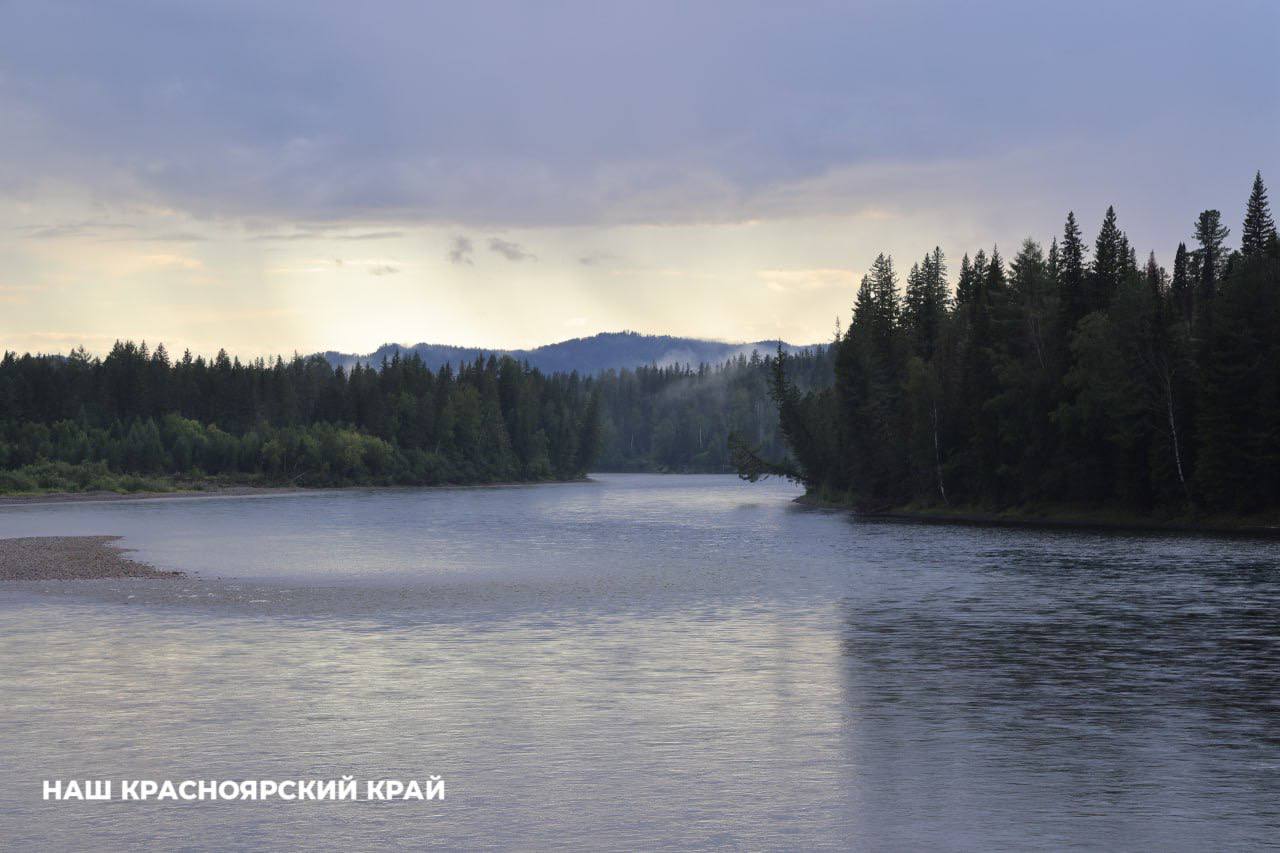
x,y
1109,257
1259,229
1156,278
1180,289
1211,235
864,307
995,273
925,303
1073,302
965,284
885,282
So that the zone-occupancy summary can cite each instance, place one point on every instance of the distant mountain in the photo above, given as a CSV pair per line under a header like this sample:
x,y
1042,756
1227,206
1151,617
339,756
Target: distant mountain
x,y
605,351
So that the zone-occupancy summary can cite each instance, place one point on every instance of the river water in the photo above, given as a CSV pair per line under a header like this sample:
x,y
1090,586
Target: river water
x,y
643,662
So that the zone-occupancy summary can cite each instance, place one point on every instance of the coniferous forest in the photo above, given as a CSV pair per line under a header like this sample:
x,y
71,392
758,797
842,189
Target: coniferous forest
x,y
679,419
1075,375
135,418
1072,376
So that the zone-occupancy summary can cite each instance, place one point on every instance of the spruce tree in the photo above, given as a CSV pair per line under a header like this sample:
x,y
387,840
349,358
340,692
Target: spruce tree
x,y
1259,228
1180,289
925,303
1109,256
1072,300
965,284
1211,235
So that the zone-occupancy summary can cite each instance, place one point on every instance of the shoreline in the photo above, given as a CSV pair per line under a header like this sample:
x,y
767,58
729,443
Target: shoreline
x,y
29,498
232,491
1070,520
63,558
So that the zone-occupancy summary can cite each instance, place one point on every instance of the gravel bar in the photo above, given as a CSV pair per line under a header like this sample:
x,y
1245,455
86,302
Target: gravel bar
x,y
34,558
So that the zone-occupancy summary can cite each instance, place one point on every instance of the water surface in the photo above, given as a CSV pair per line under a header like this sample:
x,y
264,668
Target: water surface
x,y
644,662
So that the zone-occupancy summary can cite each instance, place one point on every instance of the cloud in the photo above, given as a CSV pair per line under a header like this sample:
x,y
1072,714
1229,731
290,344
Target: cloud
x,y
579,125
325,234
804,281
83,228
373,266
370,235
176,237
599,259
460,250
167,260
510,250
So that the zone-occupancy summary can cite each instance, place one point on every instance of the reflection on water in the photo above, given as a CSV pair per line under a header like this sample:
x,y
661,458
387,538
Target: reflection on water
x,y
645,662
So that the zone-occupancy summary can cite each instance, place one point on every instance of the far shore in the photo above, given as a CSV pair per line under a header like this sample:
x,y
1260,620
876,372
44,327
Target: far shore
x,y
25,498
44,558
231,491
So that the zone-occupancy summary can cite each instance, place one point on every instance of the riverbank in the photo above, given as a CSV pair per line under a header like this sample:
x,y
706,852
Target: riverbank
x,y
1067,518
43,558
96,495
232,491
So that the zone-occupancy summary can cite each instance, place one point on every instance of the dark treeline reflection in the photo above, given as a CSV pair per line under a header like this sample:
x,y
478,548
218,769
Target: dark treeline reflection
x,y
79,422
1133,678
1062,377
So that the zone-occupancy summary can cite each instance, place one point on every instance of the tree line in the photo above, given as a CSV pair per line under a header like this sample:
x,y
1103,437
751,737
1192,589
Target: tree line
x,y
1067,377
79,422
136,416
679,418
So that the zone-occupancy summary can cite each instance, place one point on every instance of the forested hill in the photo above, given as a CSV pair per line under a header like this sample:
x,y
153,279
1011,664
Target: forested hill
x,y
1067,378
605,351
140,419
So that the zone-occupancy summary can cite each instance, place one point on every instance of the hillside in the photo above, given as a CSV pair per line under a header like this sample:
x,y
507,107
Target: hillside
x,y
605,351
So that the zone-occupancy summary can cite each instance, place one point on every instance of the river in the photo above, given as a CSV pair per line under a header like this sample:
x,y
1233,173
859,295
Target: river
x,y
643,662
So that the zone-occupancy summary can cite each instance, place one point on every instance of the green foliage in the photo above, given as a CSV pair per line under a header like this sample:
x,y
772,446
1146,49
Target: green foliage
x,y
680,418
1057,382
79,423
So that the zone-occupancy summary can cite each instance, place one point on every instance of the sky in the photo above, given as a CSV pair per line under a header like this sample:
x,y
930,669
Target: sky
x,y
303,176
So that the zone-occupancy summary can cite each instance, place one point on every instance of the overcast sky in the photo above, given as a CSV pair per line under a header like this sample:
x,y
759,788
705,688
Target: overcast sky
x,y
272,177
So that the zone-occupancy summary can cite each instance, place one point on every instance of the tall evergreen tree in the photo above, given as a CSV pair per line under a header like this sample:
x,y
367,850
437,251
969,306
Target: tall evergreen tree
x,y
1211,234
1073,301
965,286
925,303
1259,229
1109,256
1180,288
1164,396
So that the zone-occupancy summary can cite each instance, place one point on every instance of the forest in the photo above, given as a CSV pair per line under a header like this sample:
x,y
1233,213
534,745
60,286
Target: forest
x,y
1066,377
1072,377
679,419
137,419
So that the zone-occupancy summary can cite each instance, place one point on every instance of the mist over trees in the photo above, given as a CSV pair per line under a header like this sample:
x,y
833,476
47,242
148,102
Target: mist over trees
x,y
136,417
1072,375
679,419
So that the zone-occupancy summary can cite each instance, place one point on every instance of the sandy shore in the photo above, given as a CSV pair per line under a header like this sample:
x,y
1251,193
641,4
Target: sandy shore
x,y
70,558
